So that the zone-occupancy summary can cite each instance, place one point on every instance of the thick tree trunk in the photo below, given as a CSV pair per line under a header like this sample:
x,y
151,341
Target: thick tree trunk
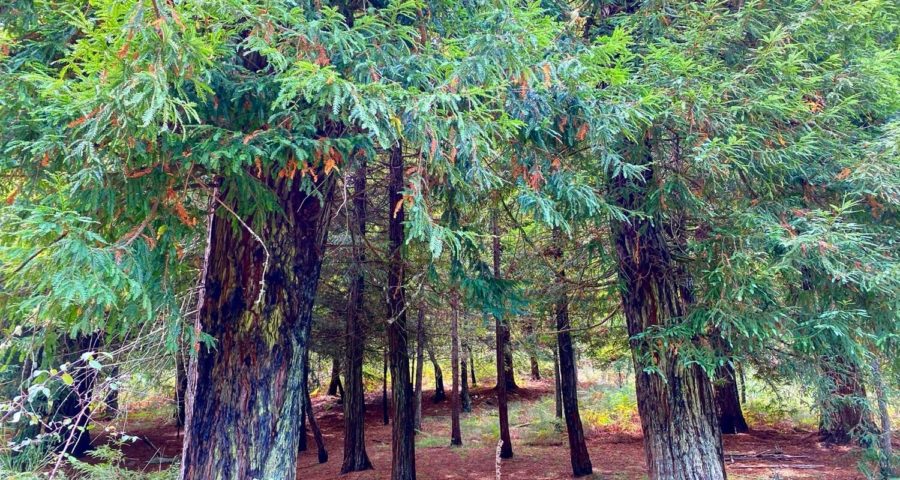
x,y
455,433
558,388
676,403
303,446
355,456
568,375
509,374
728,402
403,464
501,331
334,382
259,289
74,411
420,364
844,415
439,394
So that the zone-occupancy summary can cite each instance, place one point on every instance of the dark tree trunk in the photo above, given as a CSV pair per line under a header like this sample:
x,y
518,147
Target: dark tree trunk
x,y
259,287
455,433
465,399
420,363
74,407
558,389
728,402
501,331
472,365
303,446
334,383
532,356
676,403
509,374
568,375
310,415
844,415
385,414
355,456
181,381
439,394
403,464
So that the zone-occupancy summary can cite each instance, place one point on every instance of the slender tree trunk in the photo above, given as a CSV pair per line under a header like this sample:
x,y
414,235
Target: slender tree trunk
x,y
420,364
455,433
181,381
465,398
532,356
259,288
472,365
844,415
310,415
568,375
439,394
558,388
682,440
740,372
887,456
403,465
355,456
385,416
501,334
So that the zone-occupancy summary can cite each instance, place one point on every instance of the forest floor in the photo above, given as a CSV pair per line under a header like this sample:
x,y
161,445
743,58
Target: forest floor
x,y
540,446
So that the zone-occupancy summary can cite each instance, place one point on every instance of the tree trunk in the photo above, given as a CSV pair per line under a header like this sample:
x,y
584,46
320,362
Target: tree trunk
x,y
509,373
334,383
465,399
420,363
743,379
310,415
884,444
75,406
259,287
568,375
385,416
403,465
532,356
355,456
682,440
455,433
844,415
181,381
500,330
472,365
558,389
728,403
302,446
439,394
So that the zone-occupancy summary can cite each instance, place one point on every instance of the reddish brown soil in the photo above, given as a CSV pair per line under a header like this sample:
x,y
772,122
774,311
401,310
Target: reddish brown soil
x,y
615,454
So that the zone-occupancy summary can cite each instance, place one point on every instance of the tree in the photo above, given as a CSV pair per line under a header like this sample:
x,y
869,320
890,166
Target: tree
x,y
403,464
455,433
355,456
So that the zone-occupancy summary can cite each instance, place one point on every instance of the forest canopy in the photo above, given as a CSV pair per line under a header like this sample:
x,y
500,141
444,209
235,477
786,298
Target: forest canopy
x,y
207,199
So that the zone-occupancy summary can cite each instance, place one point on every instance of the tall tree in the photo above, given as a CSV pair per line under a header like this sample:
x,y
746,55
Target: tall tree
x,y
568,378
403,460
420,363
455,432
500,330
355,456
